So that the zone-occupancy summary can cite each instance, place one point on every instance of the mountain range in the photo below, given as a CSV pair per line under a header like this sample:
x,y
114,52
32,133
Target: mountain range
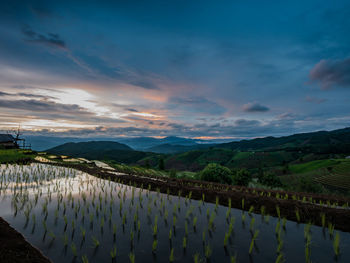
x,y
193,156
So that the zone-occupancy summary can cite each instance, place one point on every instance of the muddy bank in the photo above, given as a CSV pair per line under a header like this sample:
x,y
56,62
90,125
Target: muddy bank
x,y
14,248
299,210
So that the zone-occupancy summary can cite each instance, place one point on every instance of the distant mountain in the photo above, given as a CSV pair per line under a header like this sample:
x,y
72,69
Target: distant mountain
x,y
101,150
145,143
174,148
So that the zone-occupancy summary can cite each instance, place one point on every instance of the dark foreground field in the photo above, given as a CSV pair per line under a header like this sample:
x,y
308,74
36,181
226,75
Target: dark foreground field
x,y
14,248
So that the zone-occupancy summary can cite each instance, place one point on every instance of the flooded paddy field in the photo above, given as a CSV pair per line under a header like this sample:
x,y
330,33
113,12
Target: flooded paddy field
x,y
72,216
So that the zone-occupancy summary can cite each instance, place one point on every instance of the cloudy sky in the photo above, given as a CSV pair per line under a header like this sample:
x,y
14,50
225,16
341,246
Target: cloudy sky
x,y
201,69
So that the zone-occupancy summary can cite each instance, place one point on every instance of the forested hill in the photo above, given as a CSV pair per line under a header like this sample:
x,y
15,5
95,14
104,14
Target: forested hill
x,y
337,141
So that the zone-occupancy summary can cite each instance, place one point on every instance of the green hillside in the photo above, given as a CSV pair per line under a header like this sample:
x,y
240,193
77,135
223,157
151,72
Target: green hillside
x,y
334,174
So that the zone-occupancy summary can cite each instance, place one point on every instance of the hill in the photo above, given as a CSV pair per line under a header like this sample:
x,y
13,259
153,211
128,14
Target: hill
x,y
279,154
337,141
101,150
147,143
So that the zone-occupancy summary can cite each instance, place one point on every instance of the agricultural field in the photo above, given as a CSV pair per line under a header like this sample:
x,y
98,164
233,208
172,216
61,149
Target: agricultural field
x,y
73,216
338,176
332,173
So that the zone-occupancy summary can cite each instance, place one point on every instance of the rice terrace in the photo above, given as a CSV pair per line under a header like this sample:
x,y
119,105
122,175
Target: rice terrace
x,y
85,213
174,131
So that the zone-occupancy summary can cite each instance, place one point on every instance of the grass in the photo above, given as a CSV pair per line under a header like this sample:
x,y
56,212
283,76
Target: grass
x,y
15,156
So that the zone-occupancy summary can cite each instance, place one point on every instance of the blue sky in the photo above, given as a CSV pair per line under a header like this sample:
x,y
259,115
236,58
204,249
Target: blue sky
x,y
227,69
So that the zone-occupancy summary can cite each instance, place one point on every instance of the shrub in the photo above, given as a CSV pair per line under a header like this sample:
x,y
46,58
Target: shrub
x,y
306,184
161,164
242,177
216,173
172,173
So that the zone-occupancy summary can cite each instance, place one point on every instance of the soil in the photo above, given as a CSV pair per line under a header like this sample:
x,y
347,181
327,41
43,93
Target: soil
x,y
253,201
14,248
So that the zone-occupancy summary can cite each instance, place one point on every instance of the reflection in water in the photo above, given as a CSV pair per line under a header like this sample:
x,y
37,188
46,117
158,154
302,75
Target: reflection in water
x,y
73,216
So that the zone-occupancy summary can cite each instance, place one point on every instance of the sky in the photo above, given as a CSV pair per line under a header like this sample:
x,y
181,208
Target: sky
x,y
197,69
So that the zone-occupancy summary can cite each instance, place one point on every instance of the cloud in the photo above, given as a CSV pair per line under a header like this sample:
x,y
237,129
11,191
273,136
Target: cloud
x,y
4,94
255,107
331,73
286,116
131,110
196,104
39,105
49,39
245,123
32,110
315,100
23,94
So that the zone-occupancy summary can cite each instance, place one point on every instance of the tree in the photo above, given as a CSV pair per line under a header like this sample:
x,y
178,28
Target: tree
x,y
161,164
216,173
242,177
270,179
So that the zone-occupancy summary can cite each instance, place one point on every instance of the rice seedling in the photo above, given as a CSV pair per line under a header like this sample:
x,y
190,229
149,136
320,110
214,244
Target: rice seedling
x,y
279,246
132,257
297,215
250,211
278,211
284,222
323,219
256,233
207,252
330,229
74,250
196,258
227,236
131,237
336,243
84,259
171,256
307,248
184,242
95,242
252,222
280,258
154,245
170,233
